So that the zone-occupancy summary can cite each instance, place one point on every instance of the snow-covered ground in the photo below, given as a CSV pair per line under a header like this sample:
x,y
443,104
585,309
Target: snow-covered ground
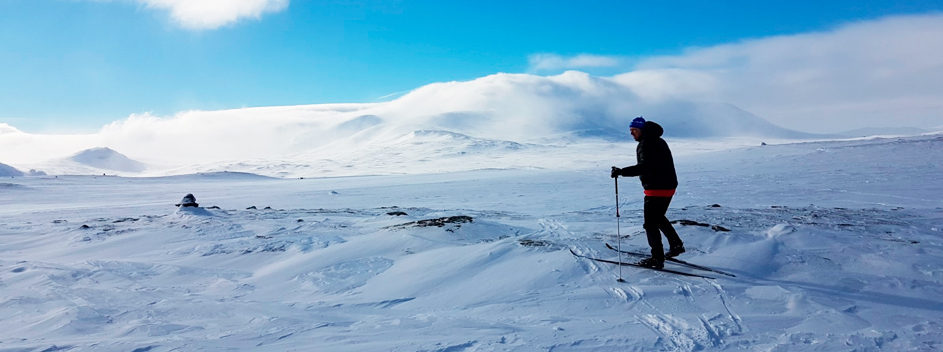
x,y
836,246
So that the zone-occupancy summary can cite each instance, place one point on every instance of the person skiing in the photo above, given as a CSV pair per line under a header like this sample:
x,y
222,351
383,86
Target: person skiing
x,y
655,168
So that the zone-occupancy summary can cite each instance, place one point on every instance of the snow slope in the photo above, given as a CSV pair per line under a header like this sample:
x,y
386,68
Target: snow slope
x,y
8,171
835,246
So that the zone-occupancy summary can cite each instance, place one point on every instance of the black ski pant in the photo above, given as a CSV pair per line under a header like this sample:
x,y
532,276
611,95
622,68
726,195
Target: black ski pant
x,y
656,223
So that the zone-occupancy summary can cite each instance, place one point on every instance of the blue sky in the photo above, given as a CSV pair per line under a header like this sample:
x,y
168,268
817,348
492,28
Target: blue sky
x,y
75,65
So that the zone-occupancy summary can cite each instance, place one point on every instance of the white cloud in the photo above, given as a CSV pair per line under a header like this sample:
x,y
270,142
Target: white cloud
x,y
550,62
878,73
212,14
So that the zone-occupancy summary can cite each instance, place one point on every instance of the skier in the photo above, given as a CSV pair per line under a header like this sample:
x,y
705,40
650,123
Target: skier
x,y
656,170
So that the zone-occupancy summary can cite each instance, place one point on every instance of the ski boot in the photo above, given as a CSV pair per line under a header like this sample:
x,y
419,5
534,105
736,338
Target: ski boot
x,y
652,263
674,251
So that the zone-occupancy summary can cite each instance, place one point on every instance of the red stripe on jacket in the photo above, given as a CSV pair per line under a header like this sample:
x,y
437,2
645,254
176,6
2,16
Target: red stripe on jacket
x,y
659,192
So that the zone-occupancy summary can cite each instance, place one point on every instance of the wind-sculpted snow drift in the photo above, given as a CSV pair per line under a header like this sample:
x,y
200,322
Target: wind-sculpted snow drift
x,y
508,109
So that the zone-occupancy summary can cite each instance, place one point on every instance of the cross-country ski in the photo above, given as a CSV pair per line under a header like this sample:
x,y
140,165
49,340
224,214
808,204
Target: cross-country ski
x,y
637,265
675,260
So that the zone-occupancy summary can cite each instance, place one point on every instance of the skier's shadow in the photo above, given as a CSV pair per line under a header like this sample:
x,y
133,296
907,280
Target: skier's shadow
x,y
834,291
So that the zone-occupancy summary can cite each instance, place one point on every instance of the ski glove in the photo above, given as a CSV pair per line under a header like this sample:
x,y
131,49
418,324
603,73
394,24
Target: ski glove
x,y
616,172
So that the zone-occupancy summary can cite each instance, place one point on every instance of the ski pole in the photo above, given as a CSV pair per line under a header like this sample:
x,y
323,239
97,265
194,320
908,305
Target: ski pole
x,y
619,229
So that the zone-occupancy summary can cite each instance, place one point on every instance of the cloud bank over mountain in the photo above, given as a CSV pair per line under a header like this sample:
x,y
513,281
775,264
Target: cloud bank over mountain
x,y
879,73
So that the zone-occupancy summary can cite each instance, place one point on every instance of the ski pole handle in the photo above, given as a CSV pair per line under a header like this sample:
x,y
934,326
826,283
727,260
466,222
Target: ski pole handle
x,y
617,196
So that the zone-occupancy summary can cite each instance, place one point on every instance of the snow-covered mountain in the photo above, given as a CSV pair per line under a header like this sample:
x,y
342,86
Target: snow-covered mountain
x,y
7,171
107,159
500,109
93,161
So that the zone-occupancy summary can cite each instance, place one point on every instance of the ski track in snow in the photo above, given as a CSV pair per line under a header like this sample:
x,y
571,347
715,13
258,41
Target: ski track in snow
x,y
108,264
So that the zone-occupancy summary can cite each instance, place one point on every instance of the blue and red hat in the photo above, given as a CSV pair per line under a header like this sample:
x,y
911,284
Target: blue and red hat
x,y
639,122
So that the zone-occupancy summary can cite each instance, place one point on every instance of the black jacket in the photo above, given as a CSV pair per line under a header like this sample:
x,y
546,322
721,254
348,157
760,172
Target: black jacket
x,y
655,168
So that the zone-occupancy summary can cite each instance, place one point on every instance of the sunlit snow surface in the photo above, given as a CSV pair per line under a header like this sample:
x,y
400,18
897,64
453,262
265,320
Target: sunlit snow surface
x,y
836,247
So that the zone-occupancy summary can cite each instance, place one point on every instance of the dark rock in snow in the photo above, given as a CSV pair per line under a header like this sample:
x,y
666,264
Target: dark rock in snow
x,y
188,201
690,223
533,243
695,223
439,222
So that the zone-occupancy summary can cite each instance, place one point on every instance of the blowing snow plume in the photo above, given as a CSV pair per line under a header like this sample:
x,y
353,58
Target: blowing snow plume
x,y
521,107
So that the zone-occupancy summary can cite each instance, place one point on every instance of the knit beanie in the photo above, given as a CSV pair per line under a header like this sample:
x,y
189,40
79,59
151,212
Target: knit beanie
x,y
639,122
